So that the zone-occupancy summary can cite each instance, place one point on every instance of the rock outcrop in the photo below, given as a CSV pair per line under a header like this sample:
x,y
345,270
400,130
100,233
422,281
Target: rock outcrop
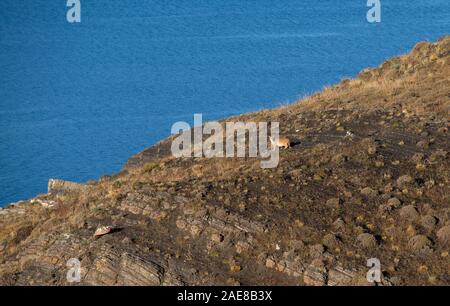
x,y
56,186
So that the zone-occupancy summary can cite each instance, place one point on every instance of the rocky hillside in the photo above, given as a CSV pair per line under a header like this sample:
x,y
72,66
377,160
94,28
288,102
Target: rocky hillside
x,y
367,177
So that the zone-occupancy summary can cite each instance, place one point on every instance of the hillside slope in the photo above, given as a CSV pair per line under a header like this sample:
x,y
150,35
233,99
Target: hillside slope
x,y
367,177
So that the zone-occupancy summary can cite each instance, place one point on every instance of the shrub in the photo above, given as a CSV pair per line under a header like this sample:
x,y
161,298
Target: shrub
x,y
150,167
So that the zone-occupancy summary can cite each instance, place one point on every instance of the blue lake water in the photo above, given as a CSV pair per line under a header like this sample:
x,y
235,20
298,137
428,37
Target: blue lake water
x,y
76,100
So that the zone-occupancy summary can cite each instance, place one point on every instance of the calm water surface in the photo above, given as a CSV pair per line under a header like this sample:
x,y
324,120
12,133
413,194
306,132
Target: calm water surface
x,y
76,100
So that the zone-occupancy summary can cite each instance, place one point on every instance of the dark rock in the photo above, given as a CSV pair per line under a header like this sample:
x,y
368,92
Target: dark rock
x,y
443,235
420,244
409,213
367,241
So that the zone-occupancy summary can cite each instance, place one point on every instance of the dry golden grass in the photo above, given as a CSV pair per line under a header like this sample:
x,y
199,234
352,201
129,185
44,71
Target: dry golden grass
x,y
424,73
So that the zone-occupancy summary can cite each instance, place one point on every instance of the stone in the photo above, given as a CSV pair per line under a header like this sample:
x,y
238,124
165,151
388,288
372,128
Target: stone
x,y
339,224
56,186
404,180
409,213
439,154
366,241
393,203
195,230
181,224
316,250
217,238
420,244
235,267
103,230
423,144
314,276
443,235
369,192
330,241
418,158
270,263
335,202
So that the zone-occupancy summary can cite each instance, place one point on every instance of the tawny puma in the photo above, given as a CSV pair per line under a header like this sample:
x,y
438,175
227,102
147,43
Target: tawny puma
x,y
282,142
